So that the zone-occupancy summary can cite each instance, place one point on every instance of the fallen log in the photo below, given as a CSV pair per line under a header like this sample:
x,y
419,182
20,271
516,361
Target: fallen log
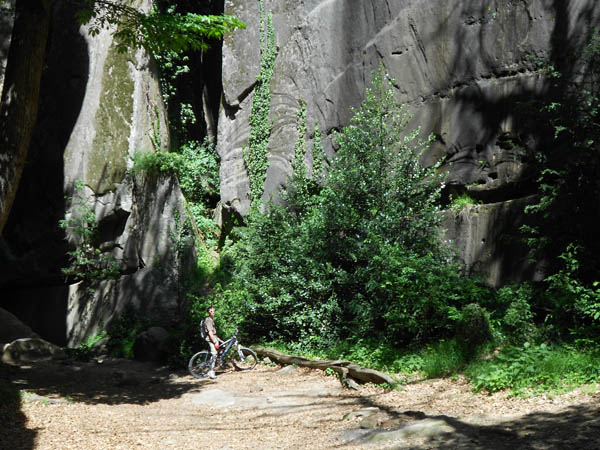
x,y
344,368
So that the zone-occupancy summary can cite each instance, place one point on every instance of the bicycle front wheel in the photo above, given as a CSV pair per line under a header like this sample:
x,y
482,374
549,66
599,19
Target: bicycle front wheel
x,y
244,359
199,364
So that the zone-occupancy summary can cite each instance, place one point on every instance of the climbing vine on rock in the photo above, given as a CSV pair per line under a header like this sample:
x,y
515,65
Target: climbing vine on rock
x,y
318,155
298,165
255,156
87,261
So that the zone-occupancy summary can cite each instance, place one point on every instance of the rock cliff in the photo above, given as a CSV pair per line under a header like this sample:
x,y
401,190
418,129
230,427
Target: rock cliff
x,y
97,107
461,66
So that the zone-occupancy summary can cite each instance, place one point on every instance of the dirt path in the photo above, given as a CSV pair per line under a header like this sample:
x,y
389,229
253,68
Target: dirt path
x,y
128,405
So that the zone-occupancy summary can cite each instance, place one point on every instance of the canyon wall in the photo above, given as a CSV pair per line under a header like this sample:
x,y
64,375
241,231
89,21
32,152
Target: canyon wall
x,y
97,108
461,66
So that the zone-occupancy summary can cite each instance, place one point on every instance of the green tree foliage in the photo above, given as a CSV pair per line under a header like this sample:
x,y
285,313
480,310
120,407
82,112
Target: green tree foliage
x,y
154,31
87,261
562,230
195,165
360,255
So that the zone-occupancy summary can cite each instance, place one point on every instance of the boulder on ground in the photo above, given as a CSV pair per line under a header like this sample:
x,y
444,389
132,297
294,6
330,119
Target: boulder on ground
x,y
150,345
11,328
30,350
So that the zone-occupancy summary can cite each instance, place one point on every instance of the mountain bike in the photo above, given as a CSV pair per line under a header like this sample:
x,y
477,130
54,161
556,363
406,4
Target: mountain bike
x,y
242,358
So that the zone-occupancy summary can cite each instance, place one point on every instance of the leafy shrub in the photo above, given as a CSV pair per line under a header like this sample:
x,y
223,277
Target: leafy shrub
x,y
123,332
87,261
85,350
443,358
517,320
195,165
461,201
567,291
535,368
358,253
473,328
561,226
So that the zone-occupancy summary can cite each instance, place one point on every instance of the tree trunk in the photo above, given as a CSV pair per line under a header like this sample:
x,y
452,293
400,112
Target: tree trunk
x,y
20,94
344,368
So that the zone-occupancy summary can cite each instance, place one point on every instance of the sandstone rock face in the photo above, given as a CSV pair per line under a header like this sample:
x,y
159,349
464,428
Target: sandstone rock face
x,y
460,66
489,243
97,108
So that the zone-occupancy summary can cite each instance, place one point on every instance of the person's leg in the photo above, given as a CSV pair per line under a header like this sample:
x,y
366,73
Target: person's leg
x,y
213,358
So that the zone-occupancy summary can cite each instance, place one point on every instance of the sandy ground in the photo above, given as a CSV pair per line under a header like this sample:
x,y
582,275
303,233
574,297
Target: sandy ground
x,y
121,404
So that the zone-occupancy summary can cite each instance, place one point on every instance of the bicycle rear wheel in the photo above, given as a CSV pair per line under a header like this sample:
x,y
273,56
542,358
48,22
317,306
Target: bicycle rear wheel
x,y
244,359
199,364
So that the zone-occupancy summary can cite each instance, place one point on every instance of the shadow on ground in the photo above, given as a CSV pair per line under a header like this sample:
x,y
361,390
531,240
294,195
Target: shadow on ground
x,y
114,381
573,427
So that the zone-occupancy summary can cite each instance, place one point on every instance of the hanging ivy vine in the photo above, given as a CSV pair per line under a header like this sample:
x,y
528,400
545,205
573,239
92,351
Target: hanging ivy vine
x,y
256,154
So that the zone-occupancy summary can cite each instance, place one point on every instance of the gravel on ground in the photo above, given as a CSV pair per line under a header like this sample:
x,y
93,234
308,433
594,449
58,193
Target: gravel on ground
x,y
121,404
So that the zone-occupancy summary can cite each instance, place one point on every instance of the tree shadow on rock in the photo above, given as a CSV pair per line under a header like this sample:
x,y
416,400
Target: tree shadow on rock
x,y
504,136
574,427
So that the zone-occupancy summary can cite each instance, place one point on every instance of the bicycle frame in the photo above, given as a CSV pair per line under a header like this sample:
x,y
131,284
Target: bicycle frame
x,y
227,345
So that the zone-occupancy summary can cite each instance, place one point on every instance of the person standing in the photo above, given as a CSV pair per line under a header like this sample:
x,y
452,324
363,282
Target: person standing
x,y
213,339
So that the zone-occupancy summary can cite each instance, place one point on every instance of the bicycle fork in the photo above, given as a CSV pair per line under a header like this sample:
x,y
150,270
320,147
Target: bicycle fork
x,y
239,351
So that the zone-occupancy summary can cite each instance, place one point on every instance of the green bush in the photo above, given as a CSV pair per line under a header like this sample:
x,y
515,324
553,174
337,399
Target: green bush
x,y
358,251
444,358
123,332
461,201
530,369
517,320
195,165
473,328
87,261
85,350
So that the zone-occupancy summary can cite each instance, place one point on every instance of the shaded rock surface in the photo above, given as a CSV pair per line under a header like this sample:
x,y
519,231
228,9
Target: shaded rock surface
x,y
12,328
461,67
150,344
97,108
6,23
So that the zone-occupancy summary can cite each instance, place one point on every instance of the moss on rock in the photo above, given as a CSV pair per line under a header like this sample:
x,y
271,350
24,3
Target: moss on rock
x,y
108,159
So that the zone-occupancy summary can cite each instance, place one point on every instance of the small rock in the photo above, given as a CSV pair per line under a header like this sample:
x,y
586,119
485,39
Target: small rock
x,y
372,421
255,388
287,370
150,345
214,397
423,428
365,412
31,350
